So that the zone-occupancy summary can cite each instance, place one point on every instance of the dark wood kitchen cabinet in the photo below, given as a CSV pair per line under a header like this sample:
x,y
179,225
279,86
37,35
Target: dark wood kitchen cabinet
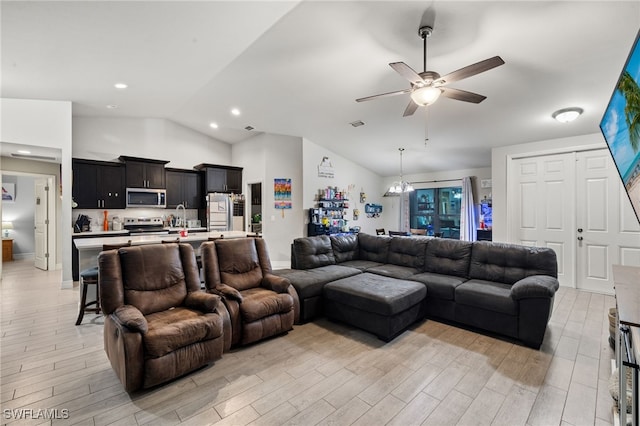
x,y
184,187
98,184
144,173
221,178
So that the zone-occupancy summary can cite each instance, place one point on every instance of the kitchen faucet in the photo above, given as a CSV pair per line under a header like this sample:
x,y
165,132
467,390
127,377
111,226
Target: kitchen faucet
x,y
184,214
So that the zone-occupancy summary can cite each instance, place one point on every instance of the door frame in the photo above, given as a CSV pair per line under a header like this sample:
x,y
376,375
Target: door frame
x,y
52,243
248,204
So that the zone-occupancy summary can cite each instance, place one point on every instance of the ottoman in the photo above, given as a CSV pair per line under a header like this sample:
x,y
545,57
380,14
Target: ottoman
x,y
381,305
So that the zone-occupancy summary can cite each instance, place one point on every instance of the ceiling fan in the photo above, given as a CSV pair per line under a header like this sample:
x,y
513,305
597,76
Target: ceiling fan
x,y
427,86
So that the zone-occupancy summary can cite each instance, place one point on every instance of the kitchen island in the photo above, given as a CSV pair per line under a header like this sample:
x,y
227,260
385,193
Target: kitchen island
x,y
89,248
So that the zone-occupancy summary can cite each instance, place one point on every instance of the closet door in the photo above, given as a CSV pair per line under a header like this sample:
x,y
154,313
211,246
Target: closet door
x,y
541,212
607,232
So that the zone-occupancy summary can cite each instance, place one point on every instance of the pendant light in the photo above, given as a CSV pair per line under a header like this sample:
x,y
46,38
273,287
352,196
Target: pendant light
x,y
399,187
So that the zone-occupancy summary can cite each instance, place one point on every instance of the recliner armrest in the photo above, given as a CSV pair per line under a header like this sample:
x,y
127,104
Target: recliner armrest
x,y
132,318
227,291
201,301
534,286
275,283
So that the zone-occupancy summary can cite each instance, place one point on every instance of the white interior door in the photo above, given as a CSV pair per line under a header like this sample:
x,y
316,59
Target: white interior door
x,y
607,232
542,207
42,223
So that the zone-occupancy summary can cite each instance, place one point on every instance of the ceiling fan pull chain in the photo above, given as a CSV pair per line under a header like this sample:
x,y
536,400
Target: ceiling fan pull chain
x,y
426,126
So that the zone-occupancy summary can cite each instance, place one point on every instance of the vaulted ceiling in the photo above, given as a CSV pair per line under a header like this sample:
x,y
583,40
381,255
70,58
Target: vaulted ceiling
x,y
296,68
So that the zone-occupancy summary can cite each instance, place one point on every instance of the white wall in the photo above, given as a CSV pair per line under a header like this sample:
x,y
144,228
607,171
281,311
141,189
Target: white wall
x,y
347,174
45,124
21,213
264,158
104,138
499,164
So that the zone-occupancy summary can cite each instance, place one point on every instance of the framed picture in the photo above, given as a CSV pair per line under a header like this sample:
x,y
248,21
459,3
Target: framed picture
x,y
8,192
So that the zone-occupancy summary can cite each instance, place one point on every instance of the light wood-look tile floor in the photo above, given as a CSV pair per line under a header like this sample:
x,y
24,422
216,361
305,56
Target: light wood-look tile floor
x,y
319,373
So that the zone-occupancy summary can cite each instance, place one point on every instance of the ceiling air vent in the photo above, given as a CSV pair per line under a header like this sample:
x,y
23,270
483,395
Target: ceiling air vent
x,y
357,123
249,128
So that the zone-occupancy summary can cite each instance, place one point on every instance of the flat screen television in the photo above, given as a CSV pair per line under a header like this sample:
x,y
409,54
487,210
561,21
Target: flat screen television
x,y
620,126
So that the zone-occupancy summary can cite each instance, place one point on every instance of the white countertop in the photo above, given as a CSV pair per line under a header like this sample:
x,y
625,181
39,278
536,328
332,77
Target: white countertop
x,y
98,233
98,242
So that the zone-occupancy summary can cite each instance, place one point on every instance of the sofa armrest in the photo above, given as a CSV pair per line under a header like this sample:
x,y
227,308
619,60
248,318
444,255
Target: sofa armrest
x,y
275,283
534,286
132,318
227,291
201,301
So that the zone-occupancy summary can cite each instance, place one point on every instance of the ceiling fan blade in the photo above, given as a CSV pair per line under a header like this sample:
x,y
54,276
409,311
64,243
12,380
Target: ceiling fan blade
x,y
471,70
407,72
462,95
411,108
383,95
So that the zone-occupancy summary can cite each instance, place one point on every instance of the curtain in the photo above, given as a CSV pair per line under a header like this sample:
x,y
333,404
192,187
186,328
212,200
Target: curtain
x,y
467,212
404,212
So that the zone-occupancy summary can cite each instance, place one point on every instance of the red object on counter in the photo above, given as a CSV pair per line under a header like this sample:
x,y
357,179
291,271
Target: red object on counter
x,y
105,224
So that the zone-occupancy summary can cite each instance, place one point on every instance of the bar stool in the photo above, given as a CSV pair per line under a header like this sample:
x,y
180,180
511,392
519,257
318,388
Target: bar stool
x,y
90,277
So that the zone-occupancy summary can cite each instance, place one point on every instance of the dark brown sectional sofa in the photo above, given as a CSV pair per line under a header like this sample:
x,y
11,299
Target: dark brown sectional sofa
x,y
501,288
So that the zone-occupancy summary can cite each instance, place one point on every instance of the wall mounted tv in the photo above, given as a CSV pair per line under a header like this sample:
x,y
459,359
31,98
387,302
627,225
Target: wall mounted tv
x,y
621,126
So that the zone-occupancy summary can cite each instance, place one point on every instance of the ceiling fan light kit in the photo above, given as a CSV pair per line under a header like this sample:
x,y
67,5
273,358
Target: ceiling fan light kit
x,y
567,115
427,95
427,86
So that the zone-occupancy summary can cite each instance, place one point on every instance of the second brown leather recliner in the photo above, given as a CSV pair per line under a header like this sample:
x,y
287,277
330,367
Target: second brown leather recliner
x,y
260,304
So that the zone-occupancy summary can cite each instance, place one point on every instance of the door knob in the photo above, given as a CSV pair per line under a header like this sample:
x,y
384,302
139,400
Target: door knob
x,y
579,229
580,238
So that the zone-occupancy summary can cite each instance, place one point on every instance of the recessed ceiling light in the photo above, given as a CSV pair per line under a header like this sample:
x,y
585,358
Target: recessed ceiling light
x,y
112,106
23,151
213,125
120,86
566,115
235,111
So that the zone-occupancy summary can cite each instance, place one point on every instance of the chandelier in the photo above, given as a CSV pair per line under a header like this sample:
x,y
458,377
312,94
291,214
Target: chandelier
x,y
399,187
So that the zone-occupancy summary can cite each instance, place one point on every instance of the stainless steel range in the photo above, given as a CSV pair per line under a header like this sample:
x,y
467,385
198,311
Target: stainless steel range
x,y
145,225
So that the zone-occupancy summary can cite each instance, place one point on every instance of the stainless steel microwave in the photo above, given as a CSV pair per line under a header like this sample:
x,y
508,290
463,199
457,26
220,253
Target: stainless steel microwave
x,y
145,197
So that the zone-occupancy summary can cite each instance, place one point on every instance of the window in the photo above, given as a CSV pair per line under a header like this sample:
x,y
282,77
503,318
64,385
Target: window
x,y
437,210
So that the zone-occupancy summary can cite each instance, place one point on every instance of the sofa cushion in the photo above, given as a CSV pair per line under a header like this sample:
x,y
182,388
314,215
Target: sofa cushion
x,y
407,251
488,295
362,265
345,247
508,263
309,283
375,293
438,285
313,252
175,328
393,271
258,303
373,248
448,257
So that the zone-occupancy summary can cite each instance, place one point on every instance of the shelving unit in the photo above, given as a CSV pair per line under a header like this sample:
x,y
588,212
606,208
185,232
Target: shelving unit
x,y
328,218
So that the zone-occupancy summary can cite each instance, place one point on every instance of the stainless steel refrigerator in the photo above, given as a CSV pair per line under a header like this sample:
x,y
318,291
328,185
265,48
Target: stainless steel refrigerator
x,y
219,212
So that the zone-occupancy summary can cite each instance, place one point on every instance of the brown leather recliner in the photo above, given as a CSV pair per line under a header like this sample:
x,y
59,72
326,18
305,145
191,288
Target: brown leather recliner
x,y
260,304
159,324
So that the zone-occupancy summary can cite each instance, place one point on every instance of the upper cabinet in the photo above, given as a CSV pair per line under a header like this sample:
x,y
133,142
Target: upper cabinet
x,y
144,173
221,178
184,187
98,184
